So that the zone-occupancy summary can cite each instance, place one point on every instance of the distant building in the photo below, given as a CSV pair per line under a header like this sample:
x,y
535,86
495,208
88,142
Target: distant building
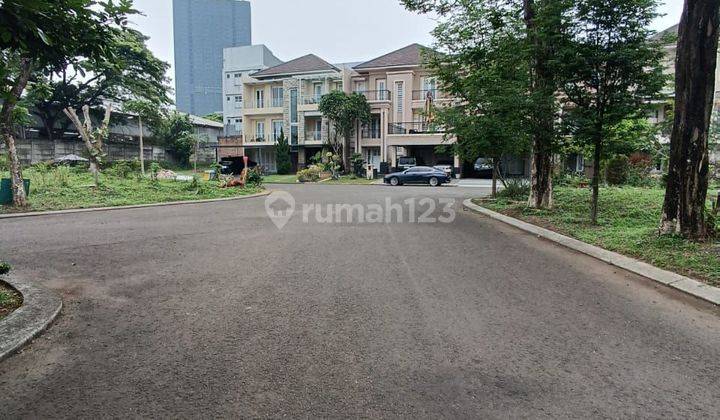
x,y
203,28
238,64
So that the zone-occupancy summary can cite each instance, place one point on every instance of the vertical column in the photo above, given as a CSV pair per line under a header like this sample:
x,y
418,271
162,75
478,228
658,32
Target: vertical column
x,y
457,164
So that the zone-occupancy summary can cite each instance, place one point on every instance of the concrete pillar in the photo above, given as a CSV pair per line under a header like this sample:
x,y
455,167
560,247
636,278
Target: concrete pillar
x,y
457,164
301,158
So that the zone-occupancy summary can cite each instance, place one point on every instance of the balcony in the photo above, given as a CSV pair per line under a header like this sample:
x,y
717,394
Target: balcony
x,y
375,95
313,135
370,133
232,130
312,99
405,128
257,138
421,95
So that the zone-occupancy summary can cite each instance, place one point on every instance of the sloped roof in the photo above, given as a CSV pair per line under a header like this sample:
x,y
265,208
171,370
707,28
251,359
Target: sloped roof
x,y
408,56
673,30
306,64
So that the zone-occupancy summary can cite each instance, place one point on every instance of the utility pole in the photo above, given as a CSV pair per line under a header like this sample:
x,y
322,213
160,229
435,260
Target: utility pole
x,y
142,146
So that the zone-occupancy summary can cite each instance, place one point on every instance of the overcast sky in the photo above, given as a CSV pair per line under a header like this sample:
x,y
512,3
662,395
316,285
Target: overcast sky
x,y
336,30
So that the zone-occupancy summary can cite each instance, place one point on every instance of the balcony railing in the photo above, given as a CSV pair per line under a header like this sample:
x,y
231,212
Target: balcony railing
x,y
312,99
313,135
421,95
277,102
370,133
415,128
257,138
375,95
233,130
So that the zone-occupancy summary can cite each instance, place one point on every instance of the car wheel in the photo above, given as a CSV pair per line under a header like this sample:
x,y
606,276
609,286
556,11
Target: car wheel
x,y
394,181
434,182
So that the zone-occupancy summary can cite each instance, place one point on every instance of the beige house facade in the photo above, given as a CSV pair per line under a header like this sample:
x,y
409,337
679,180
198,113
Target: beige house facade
x,y
285,98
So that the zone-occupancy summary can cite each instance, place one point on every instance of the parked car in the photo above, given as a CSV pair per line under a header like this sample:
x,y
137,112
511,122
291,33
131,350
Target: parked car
x,y
406,162
234,165
484,167
418,175
448,169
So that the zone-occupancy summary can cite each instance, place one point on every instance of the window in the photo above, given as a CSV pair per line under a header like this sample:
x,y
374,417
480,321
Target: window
x,y
317,90
381,90
259,98
337,86
360,86
277,96
277,127
293,106
228,98
238,98
238,75
260,131
228,75
399,100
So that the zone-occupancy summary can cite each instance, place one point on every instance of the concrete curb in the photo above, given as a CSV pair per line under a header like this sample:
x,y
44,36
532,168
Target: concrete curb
x,y
136,206
39,309
676,281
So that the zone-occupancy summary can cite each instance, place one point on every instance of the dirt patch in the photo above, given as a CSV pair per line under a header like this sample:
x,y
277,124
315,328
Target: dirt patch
x,y
10,299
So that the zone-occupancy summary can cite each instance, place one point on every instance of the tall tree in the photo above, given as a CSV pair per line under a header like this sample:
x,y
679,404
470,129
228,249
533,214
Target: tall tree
x,y
94,138
687,180
610,69
537,101
129,72
543,19
479,67
45,34
344,112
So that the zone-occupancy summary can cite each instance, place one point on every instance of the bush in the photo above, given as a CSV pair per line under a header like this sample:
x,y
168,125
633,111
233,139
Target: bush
x,y
123,168
639,171
357,163
4,164
255,177
4,268
515,189
572,180
616,172
310,174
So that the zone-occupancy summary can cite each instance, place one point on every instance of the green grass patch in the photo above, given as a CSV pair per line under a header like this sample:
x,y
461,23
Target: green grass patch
x,y
627,224
10,300
349,180
74,189
280,179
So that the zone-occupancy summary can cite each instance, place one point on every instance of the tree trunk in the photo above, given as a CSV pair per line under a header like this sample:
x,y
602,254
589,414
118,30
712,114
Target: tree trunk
x,y
496,171
346,152
6,129
542,87
596,181
687,181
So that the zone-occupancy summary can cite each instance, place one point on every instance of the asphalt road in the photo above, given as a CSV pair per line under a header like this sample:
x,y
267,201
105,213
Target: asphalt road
x,y
211,311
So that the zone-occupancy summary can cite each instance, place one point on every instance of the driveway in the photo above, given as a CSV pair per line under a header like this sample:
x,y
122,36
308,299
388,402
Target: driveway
x,y
212,311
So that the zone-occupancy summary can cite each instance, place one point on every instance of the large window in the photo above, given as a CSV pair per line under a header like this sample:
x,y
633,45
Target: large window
x,y
317,90
277,127
259,98
260,131
381,90
277,96
399,101
294,116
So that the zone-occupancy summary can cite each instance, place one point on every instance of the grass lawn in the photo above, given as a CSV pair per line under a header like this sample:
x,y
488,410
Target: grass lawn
x,y
10,300
280,179
347,180
74,189
628,222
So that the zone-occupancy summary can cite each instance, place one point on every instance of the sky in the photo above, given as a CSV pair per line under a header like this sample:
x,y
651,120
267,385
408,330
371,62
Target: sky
x,y
339,31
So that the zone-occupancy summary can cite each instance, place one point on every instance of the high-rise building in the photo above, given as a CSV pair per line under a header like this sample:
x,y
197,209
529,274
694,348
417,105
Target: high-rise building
x,y
203,28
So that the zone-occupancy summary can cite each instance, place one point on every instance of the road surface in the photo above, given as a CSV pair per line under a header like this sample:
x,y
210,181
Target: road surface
x,y
211,311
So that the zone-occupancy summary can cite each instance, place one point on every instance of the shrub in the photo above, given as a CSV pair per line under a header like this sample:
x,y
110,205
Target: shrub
x,y
4,164
357,163
154,169
255,177
515,189
123,168
310,174
572,180
4,268
639,171
282,155
616,172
